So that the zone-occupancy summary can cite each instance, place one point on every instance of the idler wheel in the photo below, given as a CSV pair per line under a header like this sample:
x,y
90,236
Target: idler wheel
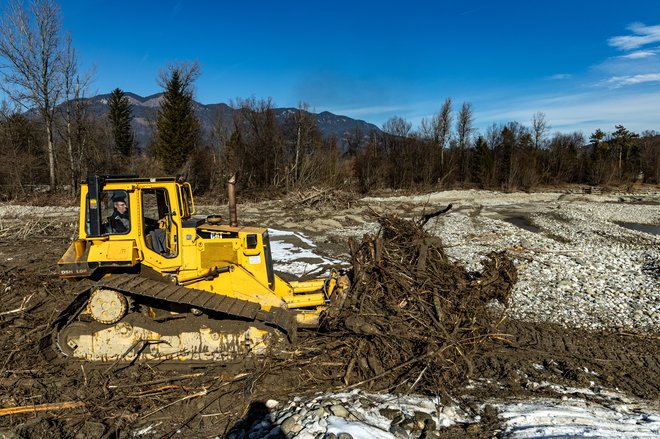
x,y
107,306
67,336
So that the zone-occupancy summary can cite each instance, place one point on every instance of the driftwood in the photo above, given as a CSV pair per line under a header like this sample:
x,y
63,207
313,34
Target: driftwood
x,y
318,198
427,216
413,319
40,408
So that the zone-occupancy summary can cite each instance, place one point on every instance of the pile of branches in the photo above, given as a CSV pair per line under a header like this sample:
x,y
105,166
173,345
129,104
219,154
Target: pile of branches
x,y
320,198
414,320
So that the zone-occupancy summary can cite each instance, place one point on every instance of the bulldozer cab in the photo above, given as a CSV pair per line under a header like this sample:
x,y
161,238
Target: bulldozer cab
x,y
125,220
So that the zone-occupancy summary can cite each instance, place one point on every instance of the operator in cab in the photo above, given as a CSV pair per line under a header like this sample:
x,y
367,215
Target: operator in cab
x,y
119,221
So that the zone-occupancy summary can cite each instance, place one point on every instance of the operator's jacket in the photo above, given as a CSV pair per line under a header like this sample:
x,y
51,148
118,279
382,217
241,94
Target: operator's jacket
x,y
118,223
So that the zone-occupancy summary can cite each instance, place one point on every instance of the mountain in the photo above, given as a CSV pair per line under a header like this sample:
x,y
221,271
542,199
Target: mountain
x,y
145,112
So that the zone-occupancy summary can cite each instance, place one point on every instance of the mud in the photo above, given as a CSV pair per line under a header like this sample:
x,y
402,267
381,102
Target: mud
x,y
120,400
538,353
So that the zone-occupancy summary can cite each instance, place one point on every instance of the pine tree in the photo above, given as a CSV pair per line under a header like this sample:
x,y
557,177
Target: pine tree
x,y
626,144
177,127
120,115
481,162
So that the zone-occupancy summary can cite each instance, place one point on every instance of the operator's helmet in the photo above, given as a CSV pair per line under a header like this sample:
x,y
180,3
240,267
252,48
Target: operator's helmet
x,y
119,196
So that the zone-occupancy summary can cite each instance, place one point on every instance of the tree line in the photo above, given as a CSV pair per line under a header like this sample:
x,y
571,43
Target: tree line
x,y
50,140
508,156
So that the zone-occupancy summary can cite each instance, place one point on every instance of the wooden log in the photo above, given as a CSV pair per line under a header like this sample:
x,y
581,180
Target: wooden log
x,y
41,407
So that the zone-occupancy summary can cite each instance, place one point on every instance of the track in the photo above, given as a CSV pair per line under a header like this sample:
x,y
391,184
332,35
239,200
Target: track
x,y
227,328
137,285
577,358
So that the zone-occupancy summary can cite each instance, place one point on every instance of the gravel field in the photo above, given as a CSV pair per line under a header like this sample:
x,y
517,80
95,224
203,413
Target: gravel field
x,y
584,261
579,266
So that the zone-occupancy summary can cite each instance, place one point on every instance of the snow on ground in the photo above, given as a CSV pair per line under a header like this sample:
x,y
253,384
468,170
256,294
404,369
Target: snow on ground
x,y
364,416
294,253
571,417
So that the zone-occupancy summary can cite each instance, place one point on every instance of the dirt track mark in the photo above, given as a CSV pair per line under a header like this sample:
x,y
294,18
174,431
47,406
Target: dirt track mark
x,y
543,352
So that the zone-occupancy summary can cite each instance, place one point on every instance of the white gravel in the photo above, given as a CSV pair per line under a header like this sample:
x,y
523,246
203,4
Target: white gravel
x,y
579,267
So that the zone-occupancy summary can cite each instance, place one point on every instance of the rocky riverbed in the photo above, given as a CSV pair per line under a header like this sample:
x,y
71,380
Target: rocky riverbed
x,y
581,262
584,261
578,266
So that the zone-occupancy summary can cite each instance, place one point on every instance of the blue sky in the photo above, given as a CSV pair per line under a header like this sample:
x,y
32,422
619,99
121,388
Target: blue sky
x,y
585,64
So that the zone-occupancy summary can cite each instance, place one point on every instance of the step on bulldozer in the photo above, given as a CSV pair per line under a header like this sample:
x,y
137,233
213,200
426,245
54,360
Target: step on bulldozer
x,y
162,283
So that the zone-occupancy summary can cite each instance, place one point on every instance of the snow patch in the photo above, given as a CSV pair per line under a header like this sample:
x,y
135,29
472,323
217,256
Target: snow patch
x,y
294,253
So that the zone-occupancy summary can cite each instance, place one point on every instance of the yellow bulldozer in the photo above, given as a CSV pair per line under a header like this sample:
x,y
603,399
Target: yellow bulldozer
x,y
162,283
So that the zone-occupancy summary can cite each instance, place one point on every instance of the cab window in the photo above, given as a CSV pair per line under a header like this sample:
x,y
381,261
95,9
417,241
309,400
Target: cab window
x,y
115,215
188,199
159,229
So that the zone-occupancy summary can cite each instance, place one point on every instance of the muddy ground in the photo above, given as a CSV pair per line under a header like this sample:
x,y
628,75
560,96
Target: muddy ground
x,y
119,400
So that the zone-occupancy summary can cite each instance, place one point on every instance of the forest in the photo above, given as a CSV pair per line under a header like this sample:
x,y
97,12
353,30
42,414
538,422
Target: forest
x,y
50,140
270,155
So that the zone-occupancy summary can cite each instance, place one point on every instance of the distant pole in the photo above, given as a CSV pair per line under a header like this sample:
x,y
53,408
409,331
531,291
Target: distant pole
x,y
231,192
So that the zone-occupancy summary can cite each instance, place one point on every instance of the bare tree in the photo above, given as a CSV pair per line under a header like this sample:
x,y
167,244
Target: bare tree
x,y
464,131
425,130
305,126
397,126
70,70
74,88
31,53
255,149
187,71
442,129
19,149
464,127
540,128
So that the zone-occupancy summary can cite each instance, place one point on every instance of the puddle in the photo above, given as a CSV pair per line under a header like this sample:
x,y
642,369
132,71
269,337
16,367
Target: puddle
x,y
522,222
646,228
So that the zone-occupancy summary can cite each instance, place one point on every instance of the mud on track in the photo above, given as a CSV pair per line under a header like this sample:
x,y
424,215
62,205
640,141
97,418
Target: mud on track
x,y
206,401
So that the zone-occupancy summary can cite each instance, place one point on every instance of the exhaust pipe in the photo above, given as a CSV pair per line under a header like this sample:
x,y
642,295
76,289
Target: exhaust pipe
x,y
231,193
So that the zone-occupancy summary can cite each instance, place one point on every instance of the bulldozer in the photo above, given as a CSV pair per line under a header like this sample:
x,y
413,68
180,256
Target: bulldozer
x,y
162,283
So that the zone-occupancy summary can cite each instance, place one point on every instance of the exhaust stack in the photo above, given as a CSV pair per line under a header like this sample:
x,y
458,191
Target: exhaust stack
x,y
231,193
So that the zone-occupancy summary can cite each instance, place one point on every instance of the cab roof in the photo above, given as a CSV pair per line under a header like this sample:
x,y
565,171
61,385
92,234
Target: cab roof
x,y
129,178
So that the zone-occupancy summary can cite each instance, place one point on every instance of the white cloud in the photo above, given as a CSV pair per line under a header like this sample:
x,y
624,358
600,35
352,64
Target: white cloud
x,y
369,110
585,112
559,76
640,54
620,81
643,35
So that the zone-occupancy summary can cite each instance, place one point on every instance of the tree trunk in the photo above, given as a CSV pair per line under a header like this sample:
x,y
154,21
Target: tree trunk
x,y
69,145
51,153
295,166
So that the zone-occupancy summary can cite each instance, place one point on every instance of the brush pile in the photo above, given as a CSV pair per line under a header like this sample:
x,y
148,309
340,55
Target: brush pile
x,y
413,320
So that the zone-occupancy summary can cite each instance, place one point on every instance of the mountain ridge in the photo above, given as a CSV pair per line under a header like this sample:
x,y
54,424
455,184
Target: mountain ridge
x,y
145,112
